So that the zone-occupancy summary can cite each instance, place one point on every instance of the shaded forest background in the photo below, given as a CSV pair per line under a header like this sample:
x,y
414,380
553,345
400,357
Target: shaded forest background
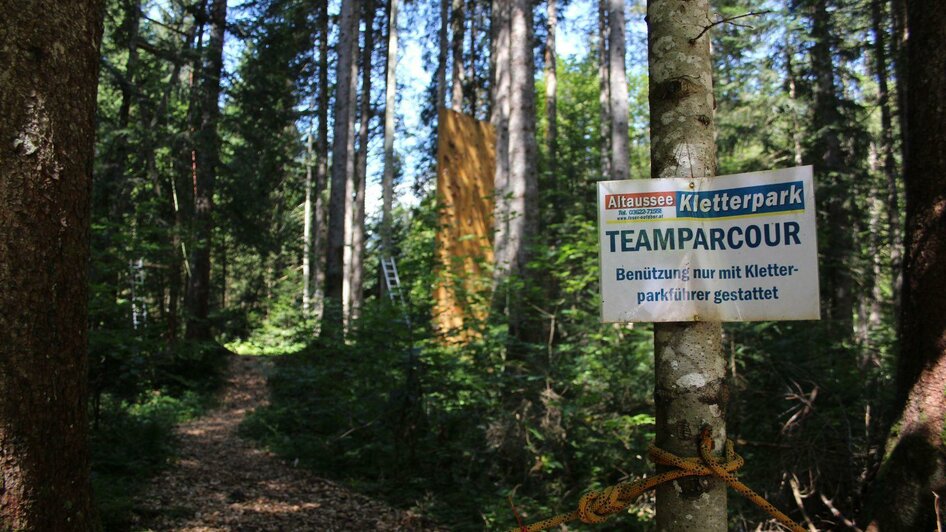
x,y
215,170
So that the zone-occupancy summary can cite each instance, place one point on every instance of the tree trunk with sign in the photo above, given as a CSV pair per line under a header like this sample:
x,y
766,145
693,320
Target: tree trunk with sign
x,y
682,130
49,59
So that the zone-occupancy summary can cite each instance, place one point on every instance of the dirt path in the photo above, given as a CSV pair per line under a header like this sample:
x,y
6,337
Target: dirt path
x,y
222,482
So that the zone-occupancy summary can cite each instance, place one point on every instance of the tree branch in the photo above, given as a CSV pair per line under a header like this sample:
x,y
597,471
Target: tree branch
x,y
727,21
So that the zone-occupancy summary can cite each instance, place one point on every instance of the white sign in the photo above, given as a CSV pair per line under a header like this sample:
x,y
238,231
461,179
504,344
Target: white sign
x,y
731,248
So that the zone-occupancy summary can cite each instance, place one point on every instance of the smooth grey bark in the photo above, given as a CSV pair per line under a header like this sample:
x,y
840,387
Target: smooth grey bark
x,y
361,171
523,149
523,176
604,94
207,143
49,65
343,166
551,89
499,117
682,131
617,77
457,26
390,100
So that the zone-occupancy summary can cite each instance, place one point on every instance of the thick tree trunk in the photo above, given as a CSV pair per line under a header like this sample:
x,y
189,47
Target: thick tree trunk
x,y
682,129
617,77
49,63
208,159
457,26
888,164
361,171
390,100
551,90
604,95
916,465
343,166
499,117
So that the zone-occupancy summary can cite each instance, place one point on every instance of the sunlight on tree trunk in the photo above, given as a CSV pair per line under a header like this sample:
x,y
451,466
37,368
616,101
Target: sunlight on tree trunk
x,y
683,145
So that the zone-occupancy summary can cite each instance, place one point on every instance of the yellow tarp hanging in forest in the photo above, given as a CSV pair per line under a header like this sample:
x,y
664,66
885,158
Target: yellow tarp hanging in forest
x,y
466,155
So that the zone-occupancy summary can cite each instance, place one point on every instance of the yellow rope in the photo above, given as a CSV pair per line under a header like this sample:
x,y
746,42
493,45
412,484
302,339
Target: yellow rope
x,y
596,506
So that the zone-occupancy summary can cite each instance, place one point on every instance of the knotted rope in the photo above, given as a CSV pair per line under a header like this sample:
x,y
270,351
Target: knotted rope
x,y
596,506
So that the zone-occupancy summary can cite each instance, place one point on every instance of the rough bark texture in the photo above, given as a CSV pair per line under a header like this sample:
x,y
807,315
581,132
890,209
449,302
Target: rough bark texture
x,y
343,165
551,89
390,99
361,171
49,62
499,117
617,77
457,27
916,464
690,389
604,95
207,144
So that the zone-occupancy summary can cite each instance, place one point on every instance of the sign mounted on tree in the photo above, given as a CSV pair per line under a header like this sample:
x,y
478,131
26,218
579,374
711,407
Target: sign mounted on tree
x,y
731,248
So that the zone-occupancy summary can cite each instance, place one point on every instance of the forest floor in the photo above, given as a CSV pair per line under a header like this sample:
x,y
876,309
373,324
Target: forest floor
x,y
221,481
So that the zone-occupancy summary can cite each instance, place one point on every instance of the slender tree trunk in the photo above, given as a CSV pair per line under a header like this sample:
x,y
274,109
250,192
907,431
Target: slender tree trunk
x,y
888,164
127,86
618,90
351,186
472,84
604,96
830,169
551,90
49,60
681,88
442,56
307,228
343,164
499,117
208,159
793,98
898,17
321,169
523,151
457,26
361,167
915,468
390,100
